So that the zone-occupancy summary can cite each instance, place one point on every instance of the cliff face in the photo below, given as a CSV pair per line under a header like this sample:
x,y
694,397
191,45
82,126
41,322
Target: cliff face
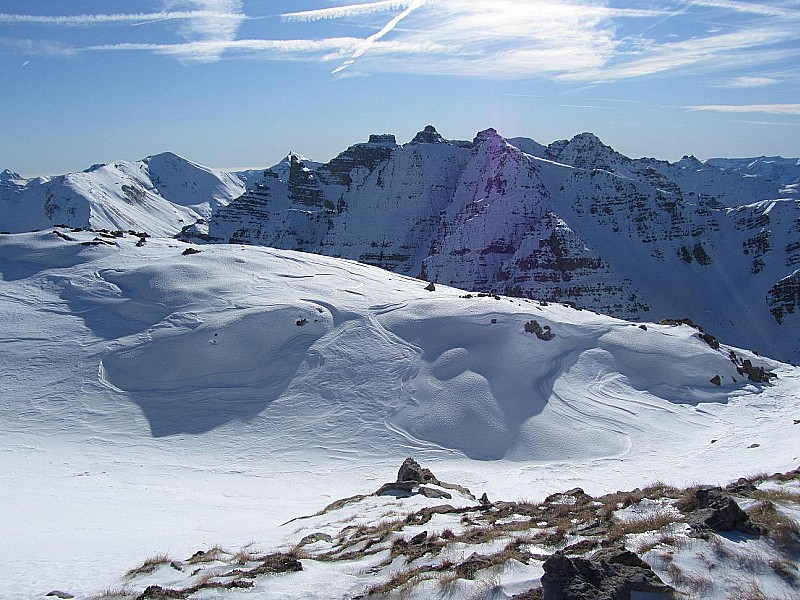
x,y
574,222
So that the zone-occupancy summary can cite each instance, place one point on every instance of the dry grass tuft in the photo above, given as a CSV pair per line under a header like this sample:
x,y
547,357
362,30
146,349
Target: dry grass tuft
x,y
205,556
148,566
655,522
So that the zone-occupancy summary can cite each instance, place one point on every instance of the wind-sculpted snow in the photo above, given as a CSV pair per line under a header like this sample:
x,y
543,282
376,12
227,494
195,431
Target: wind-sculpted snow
x,y
218,393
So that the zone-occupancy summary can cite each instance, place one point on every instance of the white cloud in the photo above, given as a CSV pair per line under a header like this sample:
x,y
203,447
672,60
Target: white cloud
x,y
351,10
751,82
113,19
769,109
568,40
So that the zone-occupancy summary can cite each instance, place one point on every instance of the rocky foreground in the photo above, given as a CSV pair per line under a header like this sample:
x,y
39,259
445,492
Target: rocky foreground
x,y
741,541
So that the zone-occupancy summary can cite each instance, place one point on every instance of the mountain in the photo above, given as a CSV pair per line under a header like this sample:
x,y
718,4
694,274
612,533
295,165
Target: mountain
x,y
574,221
164,397
159,194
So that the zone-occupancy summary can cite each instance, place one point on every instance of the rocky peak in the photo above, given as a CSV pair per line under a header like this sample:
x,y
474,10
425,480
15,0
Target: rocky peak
x,y
378,149
486,134
690,162
585,151
429,135
382,139
8,175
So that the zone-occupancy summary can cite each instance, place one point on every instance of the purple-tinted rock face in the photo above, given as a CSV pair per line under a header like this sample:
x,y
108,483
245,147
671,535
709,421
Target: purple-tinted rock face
x,y
634,238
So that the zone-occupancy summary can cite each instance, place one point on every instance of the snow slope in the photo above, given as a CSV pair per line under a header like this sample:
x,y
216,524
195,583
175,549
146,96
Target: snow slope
x,y
160,195
153,397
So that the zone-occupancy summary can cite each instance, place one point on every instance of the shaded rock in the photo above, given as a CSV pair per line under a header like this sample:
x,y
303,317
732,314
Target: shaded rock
x,y
430,492
59,594
430,287
611,574
472,565
543,333
274,563
740,486
189,251
573,496
411,470
716,380
484,500
719,512
420,538
405,488
317,536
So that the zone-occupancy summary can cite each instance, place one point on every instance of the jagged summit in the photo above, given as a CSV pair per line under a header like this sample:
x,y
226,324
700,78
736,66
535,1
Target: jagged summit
x,y
429,135
8,175
484,135
585,151
382,139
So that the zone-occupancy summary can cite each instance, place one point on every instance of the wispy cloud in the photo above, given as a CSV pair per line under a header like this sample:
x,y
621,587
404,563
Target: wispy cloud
x,y
748,81
768,109
586,41
351,10
114,19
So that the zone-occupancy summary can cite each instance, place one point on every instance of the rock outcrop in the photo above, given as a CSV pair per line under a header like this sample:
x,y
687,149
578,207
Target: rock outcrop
x,y
610,574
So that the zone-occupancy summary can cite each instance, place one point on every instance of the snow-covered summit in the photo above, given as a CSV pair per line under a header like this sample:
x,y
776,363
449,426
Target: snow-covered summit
x,y
8,175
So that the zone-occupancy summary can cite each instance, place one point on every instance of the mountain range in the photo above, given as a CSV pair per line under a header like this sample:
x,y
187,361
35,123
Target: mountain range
x,y
576,222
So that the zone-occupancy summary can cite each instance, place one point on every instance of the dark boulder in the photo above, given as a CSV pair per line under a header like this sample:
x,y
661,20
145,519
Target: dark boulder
x,y
411,470
717,511
611,574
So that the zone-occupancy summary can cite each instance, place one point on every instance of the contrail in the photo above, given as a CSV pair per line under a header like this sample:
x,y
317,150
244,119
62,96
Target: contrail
x,y
368,42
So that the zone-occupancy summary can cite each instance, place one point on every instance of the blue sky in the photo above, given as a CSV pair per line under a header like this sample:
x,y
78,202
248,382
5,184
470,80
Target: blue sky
x,y
239,83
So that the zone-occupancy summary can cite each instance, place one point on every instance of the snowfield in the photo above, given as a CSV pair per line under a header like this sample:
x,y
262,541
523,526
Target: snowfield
x,y
156,401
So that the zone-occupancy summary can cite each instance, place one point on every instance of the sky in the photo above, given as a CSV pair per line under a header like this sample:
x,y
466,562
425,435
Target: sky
x,y
240,83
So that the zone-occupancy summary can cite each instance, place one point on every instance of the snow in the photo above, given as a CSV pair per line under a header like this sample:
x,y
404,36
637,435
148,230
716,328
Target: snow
x,y
161,402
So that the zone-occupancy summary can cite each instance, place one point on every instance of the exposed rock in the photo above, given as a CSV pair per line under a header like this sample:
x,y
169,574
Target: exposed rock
x,y
716,380
405,488
430,492
740,486
429,135
783,298
611,574
411,470
430,287
573,496
719,512
469,568
317,536
543,333
420,538
189,251
60,594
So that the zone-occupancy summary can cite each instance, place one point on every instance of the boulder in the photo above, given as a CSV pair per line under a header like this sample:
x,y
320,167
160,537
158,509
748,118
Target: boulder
x,y
717,511
411,470
611,574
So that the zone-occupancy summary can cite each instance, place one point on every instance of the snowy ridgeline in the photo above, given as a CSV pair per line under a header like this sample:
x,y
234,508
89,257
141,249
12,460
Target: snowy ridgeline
x,y
575,221
160,397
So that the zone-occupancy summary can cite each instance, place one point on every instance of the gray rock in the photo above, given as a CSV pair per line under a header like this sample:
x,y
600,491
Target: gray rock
x,y
411,470
60,594
717,511
429,492
611,574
